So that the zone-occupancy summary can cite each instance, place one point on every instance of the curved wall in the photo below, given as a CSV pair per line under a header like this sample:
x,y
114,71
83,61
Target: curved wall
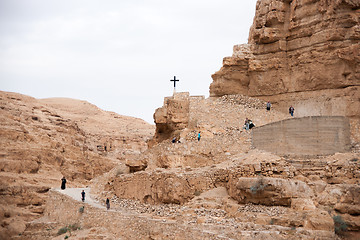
x,y
317,135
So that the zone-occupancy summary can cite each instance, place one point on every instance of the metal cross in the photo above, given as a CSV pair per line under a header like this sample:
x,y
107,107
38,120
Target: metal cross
x,y
174,80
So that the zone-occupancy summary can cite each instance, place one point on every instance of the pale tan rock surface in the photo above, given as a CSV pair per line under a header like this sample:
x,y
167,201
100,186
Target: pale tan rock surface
x,y
132,220
300,53
221,174
43,140
206,189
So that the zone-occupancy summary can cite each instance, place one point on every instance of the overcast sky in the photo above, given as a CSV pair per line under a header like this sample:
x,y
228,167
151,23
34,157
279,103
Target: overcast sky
x,y
117,54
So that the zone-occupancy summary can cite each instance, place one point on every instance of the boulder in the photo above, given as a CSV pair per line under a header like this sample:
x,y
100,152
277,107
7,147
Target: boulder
x,y
268,191
350,201
318,220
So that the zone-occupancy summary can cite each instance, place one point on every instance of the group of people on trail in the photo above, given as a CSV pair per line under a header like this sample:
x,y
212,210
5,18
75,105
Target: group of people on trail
x,y
175,140
248,124
63,187
291,108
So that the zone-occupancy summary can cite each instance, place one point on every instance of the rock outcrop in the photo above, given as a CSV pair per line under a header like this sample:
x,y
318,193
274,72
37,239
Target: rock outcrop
x,y
172,117
269,191
300,53
302,192
303,53
132,220
43,140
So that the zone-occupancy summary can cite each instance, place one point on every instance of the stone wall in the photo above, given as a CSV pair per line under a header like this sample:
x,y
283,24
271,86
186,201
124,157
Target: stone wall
x,y
304,136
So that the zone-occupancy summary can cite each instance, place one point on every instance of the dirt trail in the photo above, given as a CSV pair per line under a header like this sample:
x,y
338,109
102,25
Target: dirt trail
x,y
75,193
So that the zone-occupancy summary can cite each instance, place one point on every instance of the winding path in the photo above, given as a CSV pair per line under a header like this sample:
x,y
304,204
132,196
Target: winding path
x,y
75,193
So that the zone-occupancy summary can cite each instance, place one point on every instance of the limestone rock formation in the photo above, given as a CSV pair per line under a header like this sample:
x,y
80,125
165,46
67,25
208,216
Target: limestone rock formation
x,y
213,188
300,53
304,53
172,117
43,140
269,191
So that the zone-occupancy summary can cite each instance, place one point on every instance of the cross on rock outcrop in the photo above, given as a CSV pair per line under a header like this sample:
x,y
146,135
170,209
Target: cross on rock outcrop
x,y
174,80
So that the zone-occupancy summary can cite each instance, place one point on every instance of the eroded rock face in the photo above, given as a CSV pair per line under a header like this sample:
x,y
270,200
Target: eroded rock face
x,y
268,191
296,47
43,140
159,186
350,201
173,116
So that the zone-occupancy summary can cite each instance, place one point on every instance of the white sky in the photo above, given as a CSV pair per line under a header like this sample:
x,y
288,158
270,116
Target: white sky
x,y
118,54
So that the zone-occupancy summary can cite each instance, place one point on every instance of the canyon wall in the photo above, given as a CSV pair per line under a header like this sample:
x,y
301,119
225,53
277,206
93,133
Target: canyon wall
x,y
43,140
304,53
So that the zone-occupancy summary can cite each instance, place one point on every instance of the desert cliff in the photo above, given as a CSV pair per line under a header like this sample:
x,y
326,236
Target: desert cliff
x,y
163,182
43,140
220,186
300,53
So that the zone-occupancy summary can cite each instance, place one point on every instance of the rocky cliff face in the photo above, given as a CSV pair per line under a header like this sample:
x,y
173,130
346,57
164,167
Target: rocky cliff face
x,y
304,50
303,53
172,117
43,140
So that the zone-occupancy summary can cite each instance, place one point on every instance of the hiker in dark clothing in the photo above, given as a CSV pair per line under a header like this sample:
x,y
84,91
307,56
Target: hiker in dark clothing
x,y
268,106
246,124
83,196
63,183
107,203
291,110
251,124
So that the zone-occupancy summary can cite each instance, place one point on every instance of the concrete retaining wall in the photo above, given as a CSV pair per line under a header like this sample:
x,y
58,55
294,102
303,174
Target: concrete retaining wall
x,y
304,136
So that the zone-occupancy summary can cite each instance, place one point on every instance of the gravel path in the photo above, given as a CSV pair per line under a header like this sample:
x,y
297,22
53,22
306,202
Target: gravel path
x,y
75,193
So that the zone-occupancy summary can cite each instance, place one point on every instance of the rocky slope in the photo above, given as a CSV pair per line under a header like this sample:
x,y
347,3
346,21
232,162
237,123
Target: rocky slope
x,y
43,140
303,53
222,180
218,187
300,53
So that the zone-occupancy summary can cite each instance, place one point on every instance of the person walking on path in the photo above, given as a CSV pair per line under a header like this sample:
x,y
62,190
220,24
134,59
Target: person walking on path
x,y
63,183
268,106
291,110
83,195
246,124
199,136
251,124
107,203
